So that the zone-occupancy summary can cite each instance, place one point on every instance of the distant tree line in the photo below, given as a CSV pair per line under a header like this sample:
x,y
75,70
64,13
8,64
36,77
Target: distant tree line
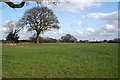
x,y
68,38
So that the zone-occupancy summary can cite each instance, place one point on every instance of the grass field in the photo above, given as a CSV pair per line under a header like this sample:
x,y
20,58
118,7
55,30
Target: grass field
x,y
60,60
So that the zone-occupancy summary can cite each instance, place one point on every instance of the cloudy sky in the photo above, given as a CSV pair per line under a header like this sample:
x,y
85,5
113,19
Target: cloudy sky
x,y
85,20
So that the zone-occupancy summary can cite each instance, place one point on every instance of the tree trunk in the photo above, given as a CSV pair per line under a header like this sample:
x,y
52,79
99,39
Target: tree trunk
x,y
37,38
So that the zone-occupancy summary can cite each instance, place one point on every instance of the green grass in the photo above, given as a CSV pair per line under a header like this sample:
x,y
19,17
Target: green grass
x,y
60,60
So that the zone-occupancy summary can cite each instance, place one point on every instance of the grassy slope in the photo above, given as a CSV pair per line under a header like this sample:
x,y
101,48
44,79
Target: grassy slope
x,y
57,60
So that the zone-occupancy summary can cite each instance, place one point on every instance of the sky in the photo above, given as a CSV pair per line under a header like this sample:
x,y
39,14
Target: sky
x,y
84,20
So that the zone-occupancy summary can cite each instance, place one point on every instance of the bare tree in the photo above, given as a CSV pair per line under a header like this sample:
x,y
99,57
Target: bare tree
x,y
40,19
12,29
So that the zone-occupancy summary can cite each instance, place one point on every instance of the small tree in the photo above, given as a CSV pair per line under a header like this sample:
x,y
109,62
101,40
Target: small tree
x,y
40,19
68,38
105,40
12,37
80,41
12,29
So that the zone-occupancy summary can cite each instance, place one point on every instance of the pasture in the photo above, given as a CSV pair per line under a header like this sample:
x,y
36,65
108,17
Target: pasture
x,y
60,60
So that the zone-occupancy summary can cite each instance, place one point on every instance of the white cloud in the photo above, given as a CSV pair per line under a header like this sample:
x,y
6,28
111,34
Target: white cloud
x,y
24,30
97,33
75,6
108,31
79,23
2,32
76,23
109,27
2,29
53,34
79,32
90,30
108,17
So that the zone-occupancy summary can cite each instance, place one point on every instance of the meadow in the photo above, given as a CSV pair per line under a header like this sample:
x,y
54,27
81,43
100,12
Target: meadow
x,y
60,60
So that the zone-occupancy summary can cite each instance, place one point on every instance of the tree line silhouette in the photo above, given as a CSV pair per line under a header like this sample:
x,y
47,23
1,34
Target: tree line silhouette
x,y
68,38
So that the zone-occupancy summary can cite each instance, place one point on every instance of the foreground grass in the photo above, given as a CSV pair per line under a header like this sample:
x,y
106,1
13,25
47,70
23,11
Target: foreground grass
x,y
61,60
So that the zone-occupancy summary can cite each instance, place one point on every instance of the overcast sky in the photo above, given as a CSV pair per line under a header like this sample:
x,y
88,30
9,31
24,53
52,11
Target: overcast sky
x,y
84,20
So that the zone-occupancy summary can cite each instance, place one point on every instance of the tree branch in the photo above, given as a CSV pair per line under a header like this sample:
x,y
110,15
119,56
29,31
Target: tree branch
x,y
12,5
